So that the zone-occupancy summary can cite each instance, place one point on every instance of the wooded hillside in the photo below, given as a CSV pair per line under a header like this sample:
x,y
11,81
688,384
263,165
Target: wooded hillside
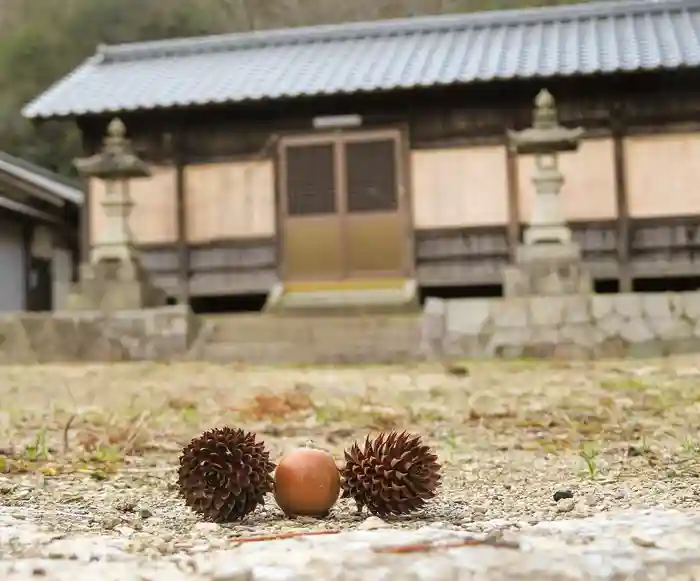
x,y
42,40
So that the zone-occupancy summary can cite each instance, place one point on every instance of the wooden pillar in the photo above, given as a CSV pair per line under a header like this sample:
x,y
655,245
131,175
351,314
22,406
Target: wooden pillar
x,y
623,216
513,229
84,224
84,228
183,251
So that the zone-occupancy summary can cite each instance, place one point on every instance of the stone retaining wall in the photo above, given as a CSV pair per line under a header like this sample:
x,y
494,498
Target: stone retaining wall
x,y
568,326
153,334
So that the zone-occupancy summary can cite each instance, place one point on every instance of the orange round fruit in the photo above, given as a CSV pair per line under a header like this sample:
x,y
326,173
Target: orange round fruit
x,y
307,483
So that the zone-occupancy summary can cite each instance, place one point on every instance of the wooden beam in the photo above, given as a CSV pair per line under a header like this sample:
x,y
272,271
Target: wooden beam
x,y
621,201
85,242
183,251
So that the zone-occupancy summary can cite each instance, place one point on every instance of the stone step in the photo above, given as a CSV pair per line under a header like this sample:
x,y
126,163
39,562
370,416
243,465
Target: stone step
x,y
278,353
264,328
263,338
398,297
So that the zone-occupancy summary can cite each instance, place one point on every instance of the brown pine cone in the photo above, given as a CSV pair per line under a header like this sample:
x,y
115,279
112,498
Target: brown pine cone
x,y
224,474
394,474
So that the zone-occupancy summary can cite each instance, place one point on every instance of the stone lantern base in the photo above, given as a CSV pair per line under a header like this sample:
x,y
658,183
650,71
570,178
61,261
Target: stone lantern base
x,y
112,285
546,269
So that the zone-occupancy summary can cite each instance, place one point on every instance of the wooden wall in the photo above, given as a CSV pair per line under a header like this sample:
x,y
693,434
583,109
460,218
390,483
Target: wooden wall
x,y
663,175
459,187
230,201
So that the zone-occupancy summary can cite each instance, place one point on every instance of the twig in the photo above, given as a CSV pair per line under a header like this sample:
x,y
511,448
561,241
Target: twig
x,y
428,547
66,429
134,430
288,535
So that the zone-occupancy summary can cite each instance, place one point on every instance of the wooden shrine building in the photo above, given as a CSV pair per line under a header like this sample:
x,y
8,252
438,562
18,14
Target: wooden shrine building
x,y
360,154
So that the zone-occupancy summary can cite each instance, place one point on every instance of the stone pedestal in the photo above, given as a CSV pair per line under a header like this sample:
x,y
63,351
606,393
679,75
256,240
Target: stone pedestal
x,y
547,269
113,285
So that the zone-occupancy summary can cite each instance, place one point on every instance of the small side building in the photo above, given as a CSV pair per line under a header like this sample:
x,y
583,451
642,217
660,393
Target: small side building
x,y
39,236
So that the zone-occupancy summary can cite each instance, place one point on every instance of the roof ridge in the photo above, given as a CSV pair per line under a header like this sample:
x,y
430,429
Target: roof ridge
x,y
398,26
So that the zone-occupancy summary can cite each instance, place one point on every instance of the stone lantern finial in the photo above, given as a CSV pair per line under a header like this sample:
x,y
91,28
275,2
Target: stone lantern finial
x,y
116,128
545,113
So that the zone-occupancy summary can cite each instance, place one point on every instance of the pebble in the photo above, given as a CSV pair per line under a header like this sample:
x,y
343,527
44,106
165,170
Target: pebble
x,y
642,540
372,523
591,499
566,505
562,494
205,527
125,531
111,522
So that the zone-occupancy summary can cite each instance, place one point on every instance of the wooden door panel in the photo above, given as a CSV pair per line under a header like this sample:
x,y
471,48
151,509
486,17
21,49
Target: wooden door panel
x,y
311,240
375,244
371,176
374,226
313,249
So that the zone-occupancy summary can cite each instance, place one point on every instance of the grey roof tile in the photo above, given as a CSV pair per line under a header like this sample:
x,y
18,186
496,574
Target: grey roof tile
x,y
42,178
597,37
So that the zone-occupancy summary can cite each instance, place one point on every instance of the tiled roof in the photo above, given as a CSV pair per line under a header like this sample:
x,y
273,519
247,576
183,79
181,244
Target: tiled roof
x,y
41,178
597,37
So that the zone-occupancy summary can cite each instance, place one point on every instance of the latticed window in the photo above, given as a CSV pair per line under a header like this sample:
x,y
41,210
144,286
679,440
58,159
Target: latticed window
x,y
310,180
371,176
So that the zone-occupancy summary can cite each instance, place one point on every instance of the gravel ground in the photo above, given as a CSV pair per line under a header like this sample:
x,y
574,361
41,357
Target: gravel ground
x,y
92,448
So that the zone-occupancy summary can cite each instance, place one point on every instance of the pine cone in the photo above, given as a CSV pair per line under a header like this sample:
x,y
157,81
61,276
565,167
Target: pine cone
x,y
224,474
394,474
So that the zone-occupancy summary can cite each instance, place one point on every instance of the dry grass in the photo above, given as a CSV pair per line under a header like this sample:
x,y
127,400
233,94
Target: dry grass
x,y
604,420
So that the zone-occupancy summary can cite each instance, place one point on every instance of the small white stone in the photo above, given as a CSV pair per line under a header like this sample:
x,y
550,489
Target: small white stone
x,y
125,531
566,505
591,499
642,540
205,527
371,523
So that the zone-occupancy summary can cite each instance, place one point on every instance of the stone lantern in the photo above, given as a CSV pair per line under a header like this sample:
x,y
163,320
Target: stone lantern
x,y
114,278
115,164
548,262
